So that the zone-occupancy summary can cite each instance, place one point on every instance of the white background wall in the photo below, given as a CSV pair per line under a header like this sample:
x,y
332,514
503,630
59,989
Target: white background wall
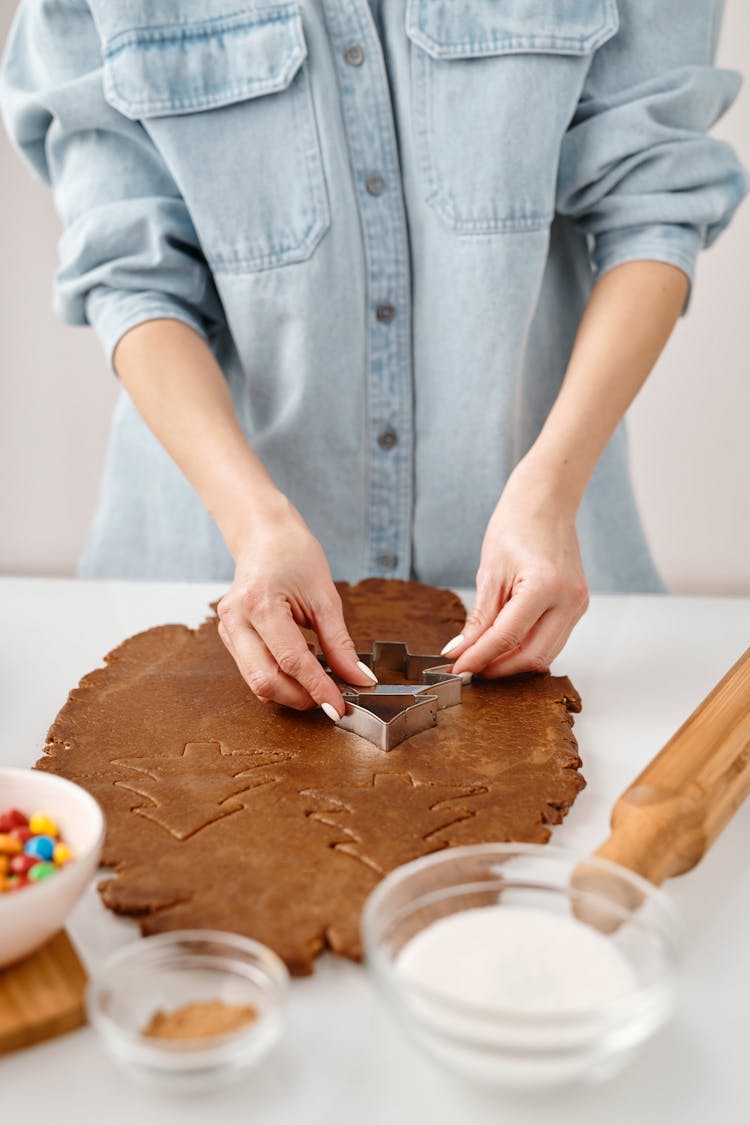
x,y
689,428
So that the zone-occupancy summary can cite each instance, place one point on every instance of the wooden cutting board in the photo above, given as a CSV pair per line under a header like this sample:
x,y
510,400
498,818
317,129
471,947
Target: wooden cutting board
x,y
42,996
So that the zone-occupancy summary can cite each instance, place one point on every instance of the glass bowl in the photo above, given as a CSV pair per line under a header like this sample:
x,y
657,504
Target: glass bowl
x,y
169,971
523,1045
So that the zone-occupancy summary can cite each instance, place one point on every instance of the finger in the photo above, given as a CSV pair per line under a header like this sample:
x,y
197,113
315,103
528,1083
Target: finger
x,y
338,647
508,631
282,638
489,598
544,642
261,672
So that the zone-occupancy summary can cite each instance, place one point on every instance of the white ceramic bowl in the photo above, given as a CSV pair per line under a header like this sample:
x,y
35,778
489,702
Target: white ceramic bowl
x,y
30,916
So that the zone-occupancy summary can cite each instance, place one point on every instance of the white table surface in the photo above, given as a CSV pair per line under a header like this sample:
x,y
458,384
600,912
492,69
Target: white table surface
x,y
641,665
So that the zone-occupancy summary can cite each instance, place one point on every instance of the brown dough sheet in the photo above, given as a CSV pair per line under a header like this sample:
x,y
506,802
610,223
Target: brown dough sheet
x,y
226,813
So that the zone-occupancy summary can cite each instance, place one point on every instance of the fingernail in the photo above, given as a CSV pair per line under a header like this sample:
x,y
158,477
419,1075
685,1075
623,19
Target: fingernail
x,y
331,712
454,643
367,671
466,676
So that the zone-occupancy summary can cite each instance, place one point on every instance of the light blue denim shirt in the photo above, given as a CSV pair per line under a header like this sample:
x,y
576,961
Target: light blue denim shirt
x,y
387,231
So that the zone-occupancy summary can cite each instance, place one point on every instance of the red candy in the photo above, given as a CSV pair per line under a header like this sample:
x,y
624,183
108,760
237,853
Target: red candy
x,y
22,833
11,819
20,864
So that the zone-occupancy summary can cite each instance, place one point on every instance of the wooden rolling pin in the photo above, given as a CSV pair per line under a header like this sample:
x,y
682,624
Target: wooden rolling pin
x,y
668,818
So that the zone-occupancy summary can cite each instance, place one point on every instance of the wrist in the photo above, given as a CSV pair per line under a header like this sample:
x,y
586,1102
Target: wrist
x,y
250,514
552,480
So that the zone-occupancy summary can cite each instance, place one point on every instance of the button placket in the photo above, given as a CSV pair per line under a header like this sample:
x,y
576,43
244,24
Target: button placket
x,y
370,131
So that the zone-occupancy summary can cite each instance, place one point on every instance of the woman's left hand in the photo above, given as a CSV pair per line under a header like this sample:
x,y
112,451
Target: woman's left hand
x,y
531,589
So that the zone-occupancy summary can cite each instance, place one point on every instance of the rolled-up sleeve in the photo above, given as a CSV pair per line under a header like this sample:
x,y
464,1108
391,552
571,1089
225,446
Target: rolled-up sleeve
x,y
638,172
129,251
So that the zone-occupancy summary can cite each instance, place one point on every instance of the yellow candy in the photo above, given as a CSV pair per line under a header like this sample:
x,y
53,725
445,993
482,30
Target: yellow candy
x,y
42,825
62,854
9,844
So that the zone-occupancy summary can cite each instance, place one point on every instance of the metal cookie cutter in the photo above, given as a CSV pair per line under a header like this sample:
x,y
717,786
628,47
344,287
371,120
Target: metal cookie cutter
x,y
388,714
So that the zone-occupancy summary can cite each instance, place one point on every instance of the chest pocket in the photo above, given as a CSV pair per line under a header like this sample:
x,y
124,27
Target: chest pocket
x,y
227,102
494,86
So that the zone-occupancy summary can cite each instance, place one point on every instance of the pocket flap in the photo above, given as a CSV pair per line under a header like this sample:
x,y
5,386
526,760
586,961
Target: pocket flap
x,y
183,67
451,29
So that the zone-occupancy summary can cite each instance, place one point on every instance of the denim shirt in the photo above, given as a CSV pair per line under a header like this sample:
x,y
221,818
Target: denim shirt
x,y
385,225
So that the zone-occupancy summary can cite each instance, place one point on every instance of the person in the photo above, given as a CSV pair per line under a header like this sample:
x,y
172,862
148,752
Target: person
x,y
379,279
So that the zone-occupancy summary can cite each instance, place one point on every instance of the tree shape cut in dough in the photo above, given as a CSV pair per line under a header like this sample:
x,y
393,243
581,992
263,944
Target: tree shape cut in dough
x,y
371,819
176,803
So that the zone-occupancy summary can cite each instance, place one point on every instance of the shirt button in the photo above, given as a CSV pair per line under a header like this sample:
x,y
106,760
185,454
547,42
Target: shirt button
x,y
375,184
388,439
385,313
354,55
387,561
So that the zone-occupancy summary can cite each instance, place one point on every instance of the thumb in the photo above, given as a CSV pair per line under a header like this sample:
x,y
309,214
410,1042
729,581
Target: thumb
x,y
338,647
483,614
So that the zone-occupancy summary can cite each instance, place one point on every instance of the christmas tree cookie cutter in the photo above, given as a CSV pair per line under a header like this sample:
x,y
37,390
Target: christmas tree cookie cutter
x,y
387,714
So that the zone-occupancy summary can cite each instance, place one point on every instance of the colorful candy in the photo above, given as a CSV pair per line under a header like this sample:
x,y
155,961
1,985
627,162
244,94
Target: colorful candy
x,y
13,818
42,825
41,847
21,864
62,854
31,849
14,883
41,871
9,845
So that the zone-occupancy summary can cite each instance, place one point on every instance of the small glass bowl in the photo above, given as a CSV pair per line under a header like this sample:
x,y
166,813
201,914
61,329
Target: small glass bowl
x,y
517,1049
183,967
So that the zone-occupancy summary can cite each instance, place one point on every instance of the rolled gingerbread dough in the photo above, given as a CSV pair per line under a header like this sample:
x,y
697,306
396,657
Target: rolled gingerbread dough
x,y
226,813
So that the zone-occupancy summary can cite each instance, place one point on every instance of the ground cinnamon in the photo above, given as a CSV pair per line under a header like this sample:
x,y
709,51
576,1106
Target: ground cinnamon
x,y
199,1020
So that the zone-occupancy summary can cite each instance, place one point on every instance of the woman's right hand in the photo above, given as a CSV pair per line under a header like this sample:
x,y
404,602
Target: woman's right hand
x,y
282,581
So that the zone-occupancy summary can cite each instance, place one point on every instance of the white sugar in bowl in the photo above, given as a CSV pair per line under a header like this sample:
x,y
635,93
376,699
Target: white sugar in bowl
x,y
504,968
